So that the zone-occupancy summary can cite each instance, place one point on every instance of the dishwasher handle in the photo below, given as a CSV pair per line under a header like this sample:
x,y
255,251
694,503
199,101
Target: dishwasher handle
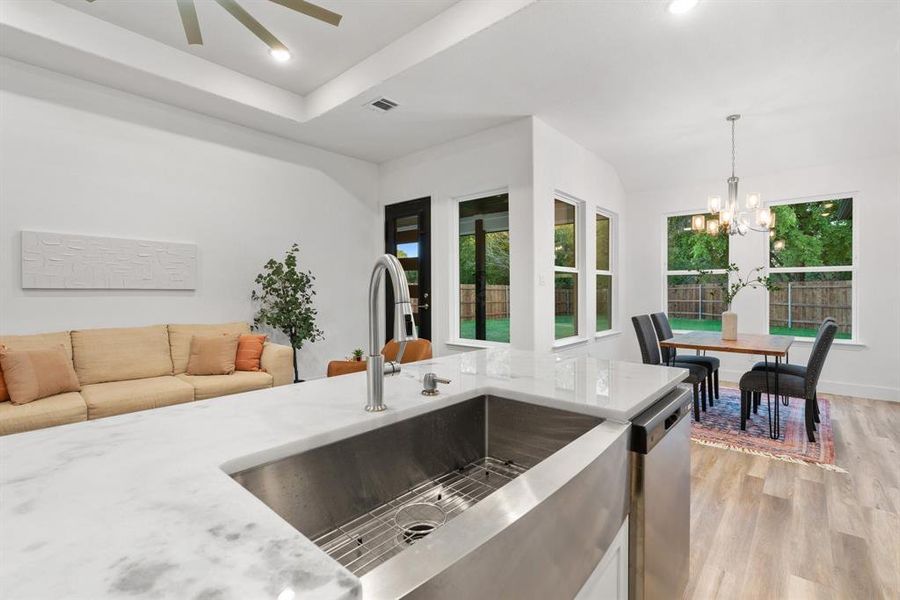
x,y
649,427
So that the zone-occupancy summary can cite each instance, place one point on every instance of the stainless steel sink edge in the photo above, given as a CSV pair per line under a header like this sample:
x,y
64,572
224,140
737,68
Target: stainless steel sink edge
x,y
375,421
592,469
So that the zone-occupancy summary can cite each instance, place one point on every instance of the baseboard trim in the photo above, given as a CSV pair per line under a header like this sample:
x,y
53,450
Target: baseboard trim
x,y
873,392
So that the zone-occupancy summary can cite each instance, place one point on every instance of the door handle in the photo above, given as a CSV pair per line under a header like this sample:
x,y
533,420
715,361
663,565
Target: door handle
x,y
424,306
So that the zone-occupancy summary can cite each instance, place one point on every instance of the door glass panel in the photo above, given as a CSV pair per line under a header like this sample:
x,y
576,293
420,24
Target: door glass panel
x,y
407,239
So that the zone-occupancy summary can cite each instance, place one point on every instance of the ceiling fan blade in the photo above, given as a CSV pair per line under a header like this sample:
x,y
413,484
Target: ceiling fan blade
x,y
189,21
311,10
255,27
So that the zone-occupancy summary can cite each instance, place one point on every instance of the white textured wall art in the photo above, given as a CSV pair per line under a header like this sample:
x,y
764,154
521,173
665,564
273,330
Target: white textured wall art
x,y
69,261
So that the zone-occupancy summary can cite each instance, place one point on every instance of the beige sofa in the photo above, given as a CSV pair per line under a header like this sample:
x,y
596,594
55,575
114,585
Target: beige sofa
x,y
135,368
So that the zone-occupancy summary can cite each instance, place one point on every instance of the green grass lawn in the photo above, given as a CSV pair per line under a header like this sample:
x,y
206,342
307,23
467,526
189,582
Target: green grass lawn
x,y
498,329
712,325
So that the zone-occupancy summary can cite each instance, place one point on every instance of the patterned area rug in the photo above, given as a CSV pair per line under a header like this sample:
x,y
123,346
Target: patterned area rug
x,y
720,426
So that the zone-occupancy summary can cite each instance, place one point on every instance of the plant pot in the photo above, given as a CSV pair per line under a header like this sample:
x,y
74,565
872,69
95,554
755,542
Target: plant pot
x,y
729,325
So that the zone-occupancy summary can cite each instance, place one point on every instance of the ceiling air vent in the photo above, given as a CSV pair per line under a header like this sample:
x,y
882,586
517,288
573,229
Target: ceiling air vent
x,y
382,105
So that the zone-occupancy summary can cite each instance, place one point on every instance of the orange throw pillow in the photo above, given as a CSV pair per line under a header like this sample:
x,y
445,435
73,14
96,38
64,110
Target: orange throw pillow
x,y
249,352
34,374
4,393
213,354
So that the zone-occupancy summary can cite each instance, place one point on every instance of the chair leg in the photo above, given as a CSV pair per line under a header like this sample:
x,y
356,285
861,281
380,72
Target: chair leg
x,y
716,380
745,407
709,387
810,425
696,403
757,398
703,393
816,415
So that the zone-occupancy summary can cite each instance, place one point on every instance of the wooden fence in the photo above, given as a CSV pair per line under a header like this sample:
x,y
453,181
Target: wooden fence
x,y
497,301
802,304
807,303
696,301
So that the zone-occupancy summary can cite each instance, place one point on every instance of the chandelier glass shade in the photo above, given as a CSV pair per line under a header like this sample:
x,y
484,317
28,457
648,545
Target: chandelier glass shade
x,y
734,219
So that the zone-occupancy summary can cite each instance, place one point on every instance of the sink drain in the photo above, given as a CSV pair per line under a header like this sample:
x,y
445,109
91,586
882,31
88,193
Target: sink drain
x,y
418,520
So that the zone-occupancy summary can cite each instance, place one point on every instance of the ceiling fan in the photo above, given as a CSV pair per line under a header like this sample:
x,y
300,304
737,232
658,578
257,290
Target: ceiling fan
x,y
277,49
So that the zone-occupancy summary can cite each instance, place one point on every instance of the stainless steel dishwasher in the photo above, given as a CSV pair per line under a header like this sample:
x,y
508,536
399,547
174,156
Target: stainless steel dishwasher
x,y
660,522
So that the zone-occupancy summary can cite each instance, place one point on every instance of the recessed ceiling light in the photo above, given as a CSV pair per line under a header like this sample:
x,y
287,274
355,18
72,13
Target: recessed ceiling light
x,y
280,54
679,7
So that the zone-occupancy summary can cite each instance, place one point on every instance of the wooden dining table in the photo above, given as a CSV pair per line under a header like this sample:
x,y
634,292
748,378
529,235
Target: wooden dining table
x,y
775,346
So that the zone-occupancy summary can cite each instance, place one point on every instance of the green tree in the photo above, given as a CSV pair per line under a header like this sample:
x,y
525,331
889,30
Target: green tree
x,y
496,258
691,251
285,296
813,234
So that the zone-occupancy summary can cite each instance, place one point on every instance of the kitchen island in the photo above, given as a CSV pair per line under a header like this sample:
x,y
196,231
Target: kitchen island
x,y
142,505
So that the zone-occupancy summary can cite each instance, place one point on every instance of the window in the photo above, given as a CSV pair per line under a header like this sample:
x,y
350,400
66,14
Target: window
x,y
695,302
604,274
565,276
811,261
484,269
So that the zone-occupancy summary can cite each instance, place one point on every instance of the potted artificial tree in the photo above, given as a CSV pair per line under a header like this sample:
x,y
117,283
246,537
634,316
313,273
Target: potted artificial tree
x,y
285,297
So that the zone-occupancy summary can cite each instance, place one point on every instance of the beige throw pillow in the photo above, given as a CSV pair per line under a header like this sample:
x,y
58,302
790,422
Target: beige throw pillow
x,y
213,354
34,374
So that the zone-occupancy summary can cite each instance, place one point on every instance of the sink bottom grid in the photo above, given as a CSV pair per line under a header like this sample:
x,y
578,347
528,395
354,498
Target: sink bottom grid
x,y
375,536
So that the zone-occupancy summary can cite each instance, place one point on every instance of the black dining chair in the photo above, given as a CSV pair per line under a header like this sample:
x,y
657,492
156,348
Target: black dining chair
x,y
755,383
664,332
646,336
794,369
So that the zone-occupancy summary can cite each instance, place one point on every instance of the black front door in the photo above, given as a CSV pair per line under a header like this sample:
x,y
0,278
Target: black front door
x,y
407,235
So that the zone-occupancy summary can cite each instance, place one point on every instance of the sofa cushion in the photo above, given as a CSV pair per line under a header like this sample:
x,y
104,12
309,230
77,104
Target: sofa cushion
x,y
46,412
38,341
249,352
102,355
210,386
34,374
118,397
180,339
213,354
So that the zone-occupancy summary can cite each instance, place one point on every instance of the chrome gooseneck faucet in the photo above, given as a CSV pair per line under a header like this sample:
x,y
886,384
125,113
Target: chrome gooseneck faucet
x,y
404,328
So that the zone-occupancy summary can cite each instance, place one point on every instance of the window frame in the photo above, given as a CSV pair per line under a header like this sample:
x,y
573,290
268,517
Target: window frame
x,y
578,270
852,269
454,339
613,268
665,259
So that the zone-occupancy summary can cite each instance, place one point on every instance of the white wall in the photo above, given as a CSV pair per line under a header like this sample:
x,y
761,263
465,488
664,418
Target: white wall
x,y
871,369
533,161
81,158
563,165
492,160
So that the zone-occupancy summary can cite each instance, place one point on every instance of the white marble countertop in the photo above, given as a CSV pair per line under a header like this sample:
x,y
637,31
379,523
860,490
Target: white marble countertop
x,y
141,505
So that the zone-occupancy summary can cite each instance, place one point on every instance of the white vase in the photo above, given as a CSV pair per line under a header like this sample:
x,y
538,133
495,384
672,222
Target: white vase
x,y
729,325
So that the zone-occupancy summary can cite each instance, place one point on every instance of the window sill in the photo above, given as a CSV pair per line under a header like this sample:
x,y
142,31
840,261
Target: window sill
x,y
605,334
846,343
479,344
569,341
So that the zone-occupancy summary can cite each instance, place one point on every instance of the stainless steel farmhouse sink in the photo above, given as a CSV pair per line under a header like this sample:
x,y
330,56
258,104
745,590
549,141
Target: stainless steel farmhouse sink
x,y
488,497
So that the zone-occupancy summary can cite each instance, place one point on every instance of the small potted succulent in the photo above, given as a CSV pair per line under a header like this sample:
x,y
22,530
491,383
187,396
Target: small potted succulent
x,y
358,354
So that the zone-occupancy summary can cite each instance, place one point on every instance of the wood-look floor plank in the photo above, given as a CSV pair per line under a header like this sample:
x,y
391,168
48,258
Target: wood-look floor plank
x,y
762,528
